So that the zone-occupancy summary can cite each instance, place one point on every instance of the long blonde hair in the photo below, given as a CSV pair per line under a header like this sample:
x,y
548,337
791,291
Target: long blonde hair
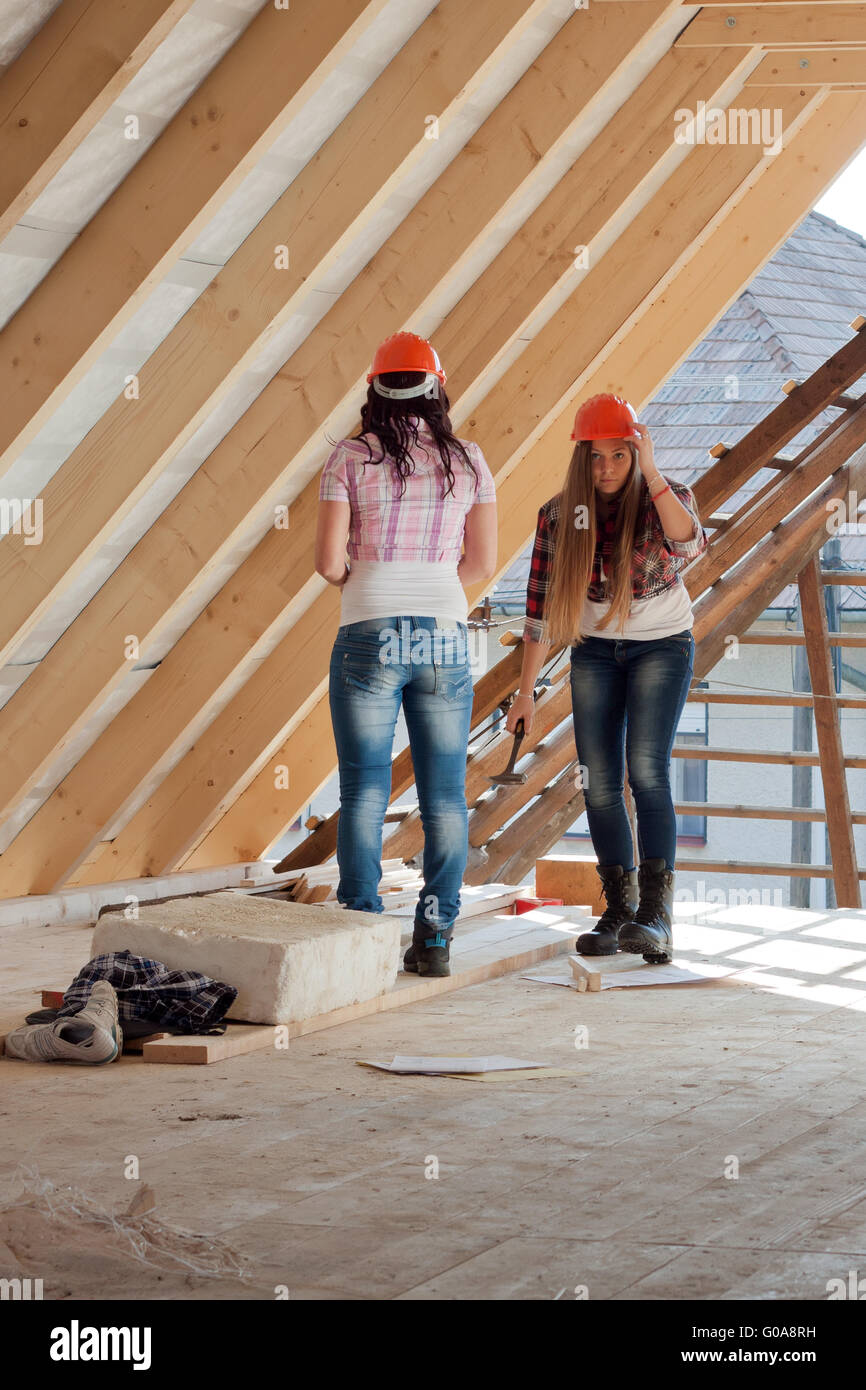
x,y
575,542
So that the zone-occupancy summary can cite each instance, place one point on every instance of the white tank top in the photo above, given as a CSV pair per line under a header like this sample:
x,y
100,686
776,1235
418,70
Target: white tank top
x,y
389,588
659,616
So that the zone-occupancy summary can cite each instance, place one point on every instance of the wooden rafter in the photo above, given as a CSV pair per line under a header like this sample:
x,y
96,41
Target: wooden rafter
x,y
828,727
776,26
739,599
219,336
512,853
810,69
737,540
782,424
66,78
199,160
284,423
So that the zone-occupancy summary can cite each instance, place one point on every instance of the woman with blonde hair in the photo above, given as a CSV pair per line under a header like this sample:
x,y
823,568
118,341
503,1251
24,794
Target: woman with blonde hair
x,y
405,496
605,579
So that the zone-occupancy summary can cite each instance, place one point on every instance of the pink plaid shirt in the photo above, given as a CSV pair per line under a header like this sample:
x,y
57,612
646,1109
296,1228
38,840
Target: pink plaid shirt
x,y
420,525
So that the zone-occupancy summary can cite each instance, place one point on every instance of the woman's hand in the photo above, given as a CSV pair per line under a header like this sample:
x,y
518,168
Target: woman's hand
x,y
522,707
645,458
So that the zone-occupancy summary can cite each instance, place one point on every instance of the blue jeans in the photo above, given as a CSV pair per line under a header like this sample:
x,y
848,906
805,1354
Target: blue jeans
x,y
377,665
628,693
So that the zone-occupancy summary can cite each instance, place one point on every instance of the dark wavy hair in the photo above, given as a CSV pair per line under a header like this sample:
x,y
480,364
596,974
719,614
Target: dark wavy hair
x,y
395,426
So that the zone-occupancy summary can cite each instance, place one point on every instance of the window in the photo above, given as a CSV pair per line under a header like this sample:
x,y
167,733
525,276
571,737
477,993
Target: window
x,y
689,775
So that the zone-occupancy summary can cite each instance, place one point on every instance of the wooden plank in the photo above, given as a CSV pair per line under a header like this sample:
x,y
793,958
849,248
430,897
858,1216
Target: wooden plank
x,y
739,812
198,1050
78,906
853,577
582,969
60,86
732,697
796,639
754,867
827,726
605,181
810,68
776,26
757,755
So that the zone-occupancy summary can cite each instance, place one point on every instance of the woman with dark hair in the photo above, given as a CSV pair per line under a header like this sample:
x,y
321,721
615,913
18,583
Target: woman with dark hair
x,y
403,495
605,578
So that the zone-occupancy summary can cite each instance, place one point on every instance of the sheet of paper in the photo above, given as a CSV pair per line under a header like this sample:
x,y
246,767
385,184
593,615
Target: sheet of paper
x,y
439,1066
532,1074
688,972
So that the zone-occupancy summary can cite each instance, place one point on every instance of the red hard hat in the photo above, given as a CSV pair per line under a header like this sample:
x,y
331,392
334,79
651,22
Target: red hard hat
x,y
605,417
406,352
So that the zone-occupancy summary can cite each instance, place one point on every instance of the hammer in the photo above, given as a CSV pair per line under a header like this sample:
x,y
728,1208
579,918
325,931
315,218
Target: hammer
x,y
509,776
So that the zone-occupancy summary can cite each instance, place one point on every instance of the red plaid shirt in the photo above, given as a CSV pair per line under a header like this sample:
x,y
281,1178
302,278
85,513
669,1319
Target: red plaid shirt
x,y
656,559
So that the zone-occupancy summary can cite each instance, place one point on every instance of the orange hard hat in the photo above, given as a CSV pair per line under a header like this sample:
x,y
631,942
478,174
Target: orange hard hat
x,y
406,352
605,417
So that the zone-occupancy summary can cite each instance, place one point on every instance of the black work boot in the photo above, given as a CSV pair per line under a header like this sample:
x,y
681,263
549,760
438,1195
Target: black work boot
x,y
620,890
651,934
430,950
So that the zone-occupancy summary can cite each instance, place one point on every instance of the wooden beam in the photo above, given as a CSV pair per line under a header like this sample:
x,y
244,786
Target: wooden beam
x,y
739,537
828,728
343,190
512,854
726,521
199,160
63,82
505,802
604,181
739,598
740,812
755,755
796,639
776,26
783,423
781,3
618,290
760,577
286,422
718,697
809,69
754,868
77,907
855,578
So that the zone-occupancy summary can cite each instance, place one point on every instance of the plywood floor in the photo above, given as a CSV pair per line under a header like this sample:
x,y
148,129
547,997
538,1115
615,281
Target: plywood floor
x,y
612,1179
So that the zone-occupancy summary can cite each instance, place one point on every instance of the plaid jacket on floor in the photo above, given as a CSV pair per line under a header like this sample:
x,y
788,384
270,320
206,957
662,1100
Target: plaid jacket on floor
x,y
656,560
146,989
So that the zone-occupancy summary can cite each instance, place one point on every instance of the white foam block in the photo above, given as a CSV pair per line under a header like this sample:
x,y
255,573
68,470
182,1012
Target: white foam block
x,y
288,961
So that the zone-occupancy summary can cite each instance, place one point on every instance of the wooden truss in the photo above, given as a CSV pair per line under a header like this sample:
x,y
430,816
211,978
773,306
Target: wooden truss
x,y
207,762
